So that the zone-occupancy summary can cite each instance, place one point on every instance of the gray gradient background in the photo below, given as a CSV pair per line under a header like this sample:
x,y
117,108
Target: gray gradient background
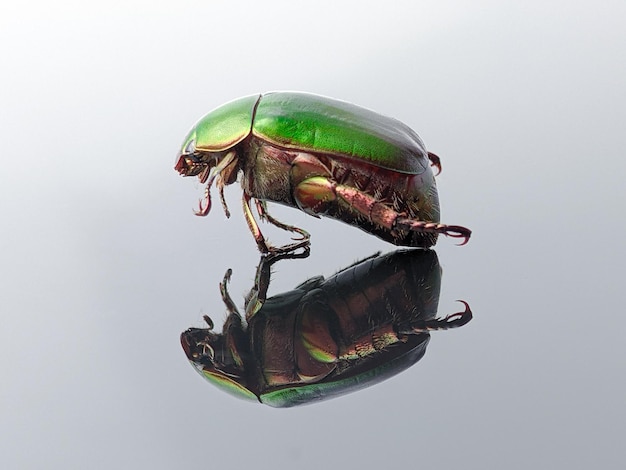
x,y
104,264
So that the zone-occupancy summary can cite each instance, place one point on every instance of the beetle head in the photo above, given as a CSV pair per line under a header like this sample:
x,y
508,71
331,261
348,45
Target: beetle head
x,y
192,163
217,356
210,350
208,166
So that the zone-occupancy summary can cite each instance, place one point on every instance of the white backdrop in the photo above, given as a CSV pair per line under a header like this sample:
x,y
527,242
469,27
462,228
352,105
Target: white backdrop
x,y
103,263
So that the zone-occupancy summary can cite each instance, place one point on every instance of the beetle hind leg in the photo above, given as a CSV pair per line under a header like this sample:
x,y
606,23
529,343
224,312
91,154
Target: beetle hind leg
x,y
454,231
454,320
316,195
435,161
451,321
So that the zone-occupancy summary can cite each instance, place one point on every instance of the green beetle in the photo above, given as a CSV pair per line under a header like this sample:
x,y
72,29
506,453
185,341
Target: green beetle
x,y
327,337
324,156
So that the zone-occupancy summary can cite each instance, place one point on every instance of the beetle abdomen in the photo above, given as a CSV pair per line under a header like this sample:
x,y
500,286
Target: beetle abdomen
x,y
266,176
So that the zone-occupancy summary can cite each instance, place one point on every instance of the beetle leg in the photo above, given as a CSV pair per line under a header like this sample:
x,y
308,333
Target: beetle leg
x,y
264,247
451,321
205,203
261,208
227,175
258,294
253,226
435,161
220,187
315,195
454,231
228,301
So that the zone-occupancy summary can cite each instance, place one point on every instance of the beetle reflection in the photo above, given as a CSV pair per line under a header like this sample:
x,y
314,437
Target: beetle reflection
x,y
327,337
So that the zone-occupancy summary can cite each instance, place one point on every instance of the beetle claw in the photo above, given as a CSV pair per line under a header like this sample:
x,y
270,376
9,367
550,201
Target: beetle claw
x,y
203,210
460,318
453,320
435,161
305,244
456,231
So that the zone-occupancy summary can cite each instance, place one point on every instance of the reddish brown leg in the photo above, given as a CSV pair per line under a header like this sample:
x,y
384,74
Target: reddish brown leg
x,y
454,320
265,247
253,226
228,301
261,208
435,161
258,294
316,193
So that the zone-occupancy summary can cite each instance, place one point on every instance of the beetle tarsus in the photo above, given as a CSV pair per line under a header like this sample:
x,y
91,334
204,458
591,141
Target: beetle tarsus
x,y
264,214
203,210
459,318
454,231
208,321
435,161
226,298
290,248
220,187
453,320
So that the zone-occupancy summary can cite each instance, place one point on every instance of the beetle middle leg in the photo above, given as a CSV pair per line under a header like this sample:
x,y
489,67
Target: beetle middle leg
x,y
258,294
265,247
261,207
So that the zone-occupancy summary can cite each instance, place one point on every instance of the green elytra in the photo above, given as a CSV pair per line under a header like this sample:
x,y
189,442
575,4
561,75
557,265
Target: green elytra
x,y
309,122
299,394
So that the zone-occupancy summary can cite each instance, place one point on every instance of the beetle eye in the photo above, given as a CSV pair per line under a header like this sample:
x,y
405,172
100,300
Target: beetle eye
x,y
190,148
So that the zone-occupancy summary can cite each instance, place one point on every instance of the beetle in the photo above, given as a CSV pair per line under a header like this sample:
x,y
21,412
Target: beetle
x,y
321,155
327,337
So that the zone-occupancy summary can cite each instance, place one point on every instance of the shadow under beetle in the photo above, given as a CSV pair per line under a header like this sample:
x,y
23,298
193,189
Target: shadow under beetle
x,y
327,337
323,156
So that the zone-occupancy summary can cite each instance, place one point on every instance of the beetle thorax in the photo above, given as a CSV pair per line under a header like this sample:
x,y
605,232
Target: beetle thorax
x,y
266,172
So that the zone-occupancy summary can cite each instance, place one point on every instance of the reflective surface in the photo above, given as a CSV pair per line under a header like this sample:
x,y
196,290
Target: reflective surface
x,y
103,263
327,337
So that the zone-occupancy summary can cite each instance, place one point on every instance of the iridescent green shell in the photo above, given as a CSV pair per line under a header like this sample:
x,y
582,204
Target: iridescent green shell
x,y
389,363
312,123
224,127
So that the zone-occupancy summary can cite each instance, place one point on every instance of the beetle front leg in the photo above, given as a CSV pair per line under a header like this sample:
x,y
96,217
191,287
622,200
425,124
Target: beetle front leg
x,y
253,226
